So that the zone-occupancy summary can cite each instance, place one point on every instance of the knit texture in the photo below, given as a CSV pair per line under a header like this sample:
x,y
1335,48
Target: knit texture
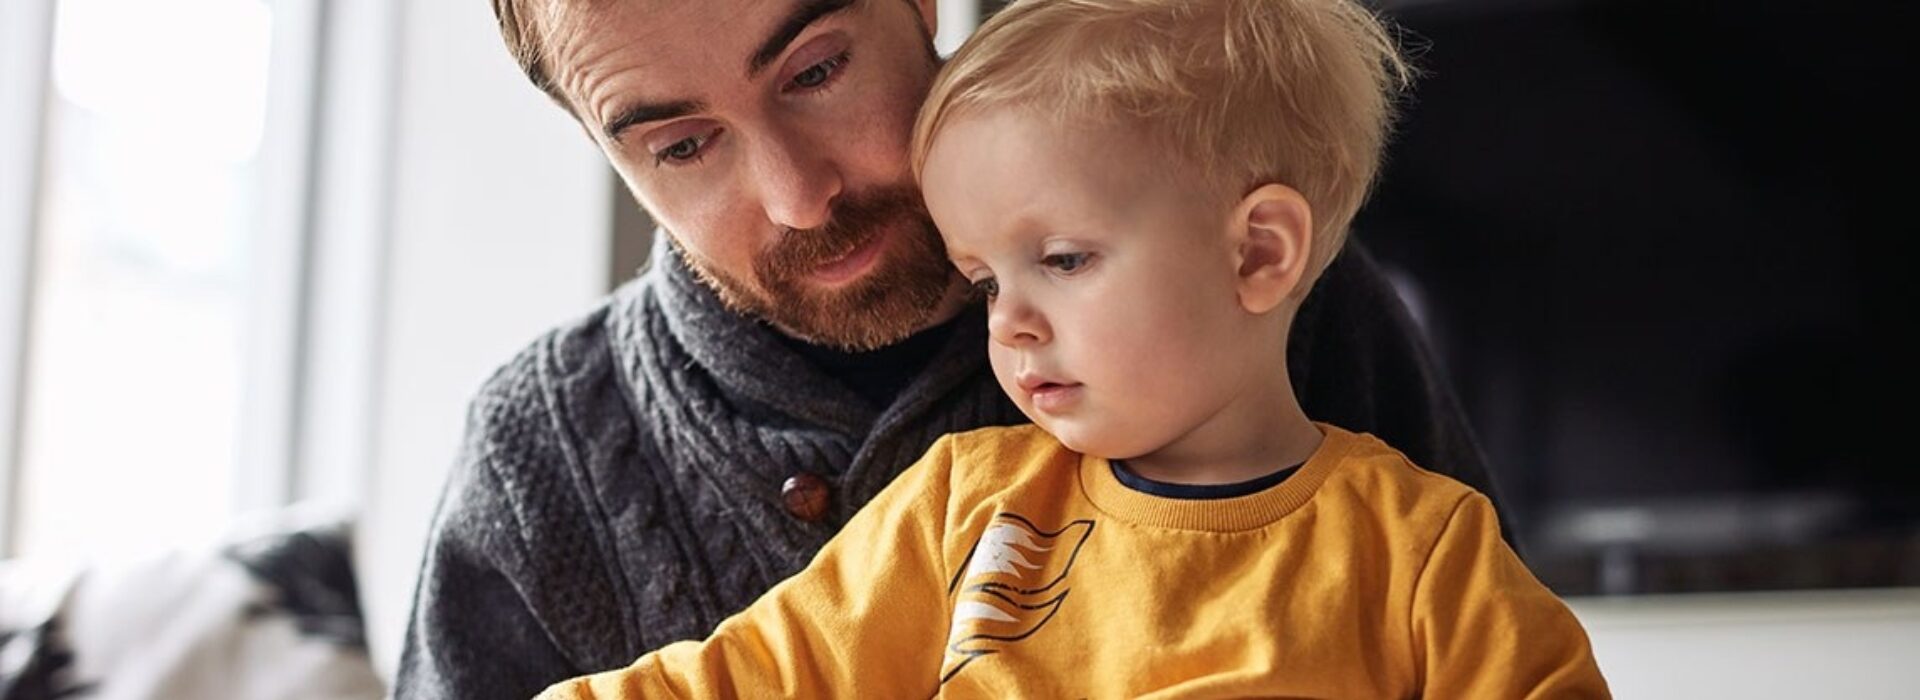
x,y
618,486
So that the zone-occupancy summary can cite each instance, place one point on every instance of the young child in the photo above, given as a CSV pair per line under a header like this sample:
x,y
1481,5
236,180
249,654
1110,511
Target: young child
x,y
1144,191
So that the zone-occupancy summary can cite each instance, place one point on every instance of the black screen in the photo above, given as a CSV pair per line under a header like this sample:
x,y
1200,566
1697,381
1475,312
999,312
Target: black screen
x,y
1656,246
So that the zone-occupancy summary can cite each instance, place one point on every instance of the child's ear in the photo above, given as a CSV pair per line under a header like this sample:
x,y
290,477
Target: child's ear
x,y
1272,228
930,15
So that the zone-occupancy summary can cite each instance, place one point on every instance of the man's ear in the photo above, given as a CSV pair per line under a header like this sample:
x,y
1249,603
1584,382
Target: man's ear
x,y
1272,234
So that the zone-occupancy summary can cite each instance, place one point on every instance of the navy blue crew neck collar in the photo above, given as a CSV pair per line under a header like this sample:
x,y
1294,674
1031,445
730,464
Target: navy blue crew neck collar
x,y
1198,492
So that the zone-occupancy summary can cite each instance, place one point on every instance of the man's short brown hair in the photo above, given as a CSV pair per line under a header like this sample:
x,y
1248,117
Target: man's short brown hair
x,y
527,27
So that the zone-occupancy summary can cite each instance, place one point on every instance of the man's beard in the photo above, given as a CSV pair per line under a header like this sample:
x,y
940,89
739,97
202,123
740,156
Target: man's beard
x,y
899,295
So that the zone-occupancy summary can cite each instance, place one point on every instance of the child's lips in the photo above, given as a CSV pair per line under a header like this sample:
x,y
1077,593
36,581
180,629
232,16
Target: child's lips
x,y
1049,395
1032,381
1055,398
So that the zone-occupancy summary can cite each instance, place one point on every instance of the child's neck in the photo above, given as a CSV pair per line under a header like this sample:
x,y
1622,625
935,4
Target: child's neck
x,y
1245,441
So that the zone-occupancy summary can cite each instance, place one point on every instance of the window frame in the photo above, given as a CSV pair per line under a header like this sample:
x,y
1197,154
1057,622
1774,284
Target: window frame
x,y
26,30
312,318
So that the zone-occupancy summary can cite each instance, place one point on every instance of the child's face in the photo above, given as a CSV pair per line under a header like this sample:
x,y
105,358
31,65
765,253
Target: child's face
x,y
1113,312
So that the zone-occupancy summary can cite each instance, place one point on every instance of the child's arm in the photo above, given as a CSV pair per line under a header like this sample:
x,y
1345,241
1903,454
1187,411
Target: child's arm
x,y
1484,627
869,611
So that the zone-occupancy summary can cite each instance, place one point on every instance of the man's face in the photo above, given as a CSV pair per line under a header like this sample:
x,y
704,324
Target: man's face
x,y
769,138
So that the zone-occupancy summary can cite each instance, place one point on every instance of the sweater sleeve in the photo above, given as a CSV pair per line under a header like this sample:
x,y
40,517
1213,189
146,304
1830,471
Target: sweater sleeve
x,y
866,618
513,593
473,634
1484,627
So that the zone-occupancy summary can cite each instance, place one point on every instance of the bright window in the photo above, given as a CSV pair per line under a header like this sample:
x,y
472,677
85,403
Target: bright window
x,y
150,217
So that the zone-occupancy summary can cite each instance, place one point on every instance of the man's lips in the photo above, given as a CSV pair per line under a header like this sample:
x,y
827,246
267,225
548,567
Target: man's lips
x,y
850,266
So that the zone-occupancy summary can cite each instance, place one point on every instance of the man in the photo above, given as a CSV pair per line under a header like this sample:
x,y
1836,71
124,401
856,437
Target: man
x,y
634,477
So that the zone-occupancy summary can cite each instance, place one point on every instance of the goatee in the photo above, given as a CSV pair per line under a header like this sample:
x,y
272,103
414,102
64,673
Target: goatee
x,y
901,294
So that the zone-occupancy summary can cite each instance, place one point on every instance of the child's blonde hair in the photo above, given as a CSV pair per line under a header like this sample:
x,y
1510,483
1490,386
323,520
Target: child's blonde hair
x,y
1296,92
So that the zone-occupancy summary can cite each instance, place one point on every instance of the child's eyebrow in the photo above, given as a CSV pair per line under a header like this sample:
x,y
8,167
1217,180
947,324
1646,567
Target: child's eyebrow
x,y
958,255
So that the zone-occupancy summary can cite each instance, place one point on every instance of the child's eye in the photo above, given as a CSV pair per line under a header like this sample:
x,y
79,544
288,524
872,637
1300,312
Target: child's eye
x,y
987,287
1066,262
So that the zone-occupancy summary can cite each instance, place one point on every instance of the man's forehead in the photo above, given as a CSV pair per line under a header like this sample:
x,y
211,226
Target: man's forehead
x,y
572,24
705,26
669,46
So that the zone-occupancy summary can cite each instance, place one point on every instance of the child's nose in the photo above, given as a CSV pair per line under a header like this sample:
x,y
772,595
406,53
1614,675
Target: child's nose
x,y
1014,322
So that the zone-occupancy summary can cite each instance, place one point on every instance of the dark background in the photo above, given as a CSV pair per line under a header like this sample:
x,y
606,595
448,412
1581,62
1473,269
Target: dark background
x,y
1661,249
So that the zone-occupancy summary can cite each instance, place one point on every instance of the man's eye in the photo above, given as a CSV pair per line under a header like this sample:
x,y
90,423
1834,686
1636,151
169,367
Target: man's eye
x,y
987,287
682,151
1065,262
820,73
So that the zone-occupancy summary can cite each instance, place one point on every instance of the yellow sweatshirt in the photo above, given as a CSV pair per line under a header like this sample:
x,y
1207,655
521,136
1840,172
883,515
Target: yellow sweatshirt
x,y
1004,565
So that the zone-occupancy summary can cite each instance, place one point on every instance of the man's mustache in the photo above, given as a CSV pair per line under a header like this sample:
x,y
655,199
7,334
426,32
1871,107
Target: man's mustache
x,y
854,222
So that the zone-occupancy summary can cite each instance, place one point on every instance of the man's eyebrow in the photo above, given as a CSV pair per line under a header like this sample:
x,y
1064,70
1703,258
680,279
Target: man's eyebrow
x,y
806,14
648,112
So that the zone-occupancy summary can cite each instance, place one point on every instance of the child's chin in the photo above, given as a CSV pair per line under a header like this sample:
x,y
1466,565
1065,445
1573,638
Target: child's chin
x,y
1086,435
1080,440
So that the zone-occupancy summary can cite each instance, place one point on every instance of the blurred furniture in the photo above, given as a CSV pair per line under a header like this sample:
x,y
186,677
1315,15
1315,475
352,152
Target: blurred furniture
x,y
270,613
1857,644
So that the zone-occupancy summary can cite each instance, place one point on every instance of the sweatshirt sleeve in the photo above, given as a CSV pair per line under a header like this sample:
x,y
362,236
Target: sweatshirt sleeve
x,y
866,618
1484,627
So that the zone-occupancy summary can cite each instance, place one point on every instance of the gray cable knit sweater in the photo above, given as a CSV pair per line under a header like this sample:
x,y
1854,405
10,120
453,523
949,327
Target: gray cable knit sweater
x,y
619,485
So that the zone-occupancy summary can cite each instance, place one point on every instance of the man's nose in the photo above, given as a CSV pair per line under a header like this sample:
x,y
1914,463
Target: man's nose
x,y
797,181
1013,321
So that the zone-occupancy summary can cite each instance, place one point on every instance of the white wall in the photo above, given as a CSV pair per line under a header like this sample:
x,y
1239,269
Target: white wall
x,y
498,231
1860,645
